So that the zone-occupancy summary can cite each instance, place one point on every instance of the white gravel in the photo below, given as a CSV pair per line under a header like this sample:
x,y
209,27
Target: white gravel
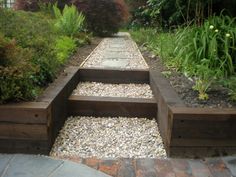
x,y
113,48
109,138
113,90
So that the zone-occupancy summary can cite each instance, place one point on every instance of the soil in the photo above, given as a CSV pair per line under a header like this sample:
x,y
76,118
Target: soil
x,y
83,52
218,97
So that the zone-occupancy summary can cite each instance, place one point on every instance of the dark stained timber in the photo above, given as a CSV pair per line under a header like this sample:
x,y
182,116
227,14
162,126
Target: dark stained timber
x,y
112,106
185,129
114,76
32,127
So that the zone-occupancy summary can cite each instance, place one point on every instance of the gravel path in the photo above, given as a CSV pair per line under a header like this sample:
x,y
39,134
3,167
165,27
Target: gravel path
x,y
121,52
109,138
113,90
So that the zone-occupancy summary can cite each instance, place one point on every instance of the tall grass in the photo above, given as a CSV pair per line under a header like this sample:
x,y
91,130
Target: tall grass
x,y
207,52
214,42
160,43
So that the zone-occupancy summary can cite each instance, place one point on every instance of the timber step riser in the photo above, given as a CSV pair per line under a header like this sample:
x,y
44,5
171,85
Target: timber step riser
x,y
112,107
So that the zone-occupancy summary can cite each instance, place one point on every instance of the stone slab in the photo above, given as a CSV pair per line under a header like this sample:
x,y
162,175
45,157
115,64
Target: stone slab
x,y
42,166
117,55
115,63
4,160
231,164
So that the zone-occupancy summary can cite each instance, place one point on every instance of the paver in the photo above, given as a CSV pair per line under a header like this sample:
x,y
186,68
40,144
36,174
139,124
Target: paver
x,y
119,52
31,166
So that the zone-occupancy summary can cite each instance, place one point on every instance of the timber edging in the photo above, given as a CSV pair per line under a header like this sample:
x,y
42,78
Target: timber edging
x,y
31,127
186,129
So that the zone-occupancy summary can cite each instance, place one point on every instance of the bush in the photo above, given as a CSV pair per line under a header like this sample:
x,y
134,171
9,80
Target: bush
x,y
34,31
104,17
64,47
15,72
68,22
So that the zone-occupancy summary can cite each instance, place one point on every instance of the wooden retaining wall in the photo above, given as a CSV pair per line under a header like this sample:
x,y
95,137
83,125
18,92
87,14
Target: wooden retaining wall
x,y
31,127
191,130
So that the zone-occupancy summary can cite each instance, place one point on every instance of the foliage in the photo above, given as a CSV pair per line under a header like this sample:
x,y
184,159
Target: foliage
x,y
32,51
64,47
68,22
208,51
34,5
148,15
104,17
160,43
36,32
214,41
170,13
231,85
15,72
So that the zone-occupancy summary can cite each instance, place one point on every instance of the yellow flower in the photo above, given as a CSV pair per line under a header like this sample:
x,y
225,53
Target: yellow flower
x,y
216,30
227,35
211,27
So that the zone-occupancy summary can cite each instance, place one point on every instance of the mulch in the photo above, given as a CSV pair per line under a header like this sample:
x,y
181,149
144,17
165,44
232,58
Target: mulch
x,y
218,96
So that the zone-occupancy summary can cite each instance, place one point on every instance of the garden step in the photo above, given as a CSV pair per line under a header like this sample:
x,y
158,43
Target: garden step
x,y
113,75
111,106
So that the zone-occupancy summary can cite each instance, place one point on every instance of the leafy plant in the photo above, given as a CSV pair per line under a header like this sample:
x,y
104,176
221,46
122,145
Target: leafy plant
x,y
36,32
68,22
231,85
205,78
15,72
64,47
214,41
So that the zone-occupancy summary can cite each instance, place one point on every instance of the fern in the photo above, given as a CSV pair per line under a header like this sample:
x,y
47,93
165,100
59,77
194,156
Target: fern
x,y
69,22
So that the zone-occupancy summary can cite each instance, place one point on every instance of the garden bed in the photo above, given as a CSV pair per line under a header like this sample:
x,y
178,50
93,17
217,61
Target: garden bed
x,y
218,96
195,131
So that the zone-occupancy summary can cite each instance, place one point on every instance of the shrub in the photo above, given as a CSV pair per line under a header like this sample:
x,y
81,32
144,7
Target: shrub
x,y
68,22
32,5
34,31
65,46
104,17
15,72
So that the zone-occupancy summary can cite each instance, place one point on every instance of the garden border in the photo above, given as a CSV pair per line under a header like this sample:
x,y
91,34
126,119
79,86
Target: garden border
x,y
185,129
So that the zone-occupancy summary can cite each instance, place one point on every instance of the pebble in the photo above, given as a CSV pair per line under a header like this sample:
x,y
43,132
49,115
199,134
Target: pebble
x,y
113,90
118,137
122,46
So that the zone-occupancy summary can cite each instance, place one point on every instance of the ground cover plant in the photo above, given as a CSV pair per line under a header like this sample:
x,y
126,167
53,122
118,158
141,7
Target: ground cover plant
x,y
33,48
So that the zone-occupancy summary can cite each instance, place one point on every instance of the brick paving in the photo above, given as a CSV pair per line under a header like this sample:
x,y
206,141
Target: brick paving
x,y
146,167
